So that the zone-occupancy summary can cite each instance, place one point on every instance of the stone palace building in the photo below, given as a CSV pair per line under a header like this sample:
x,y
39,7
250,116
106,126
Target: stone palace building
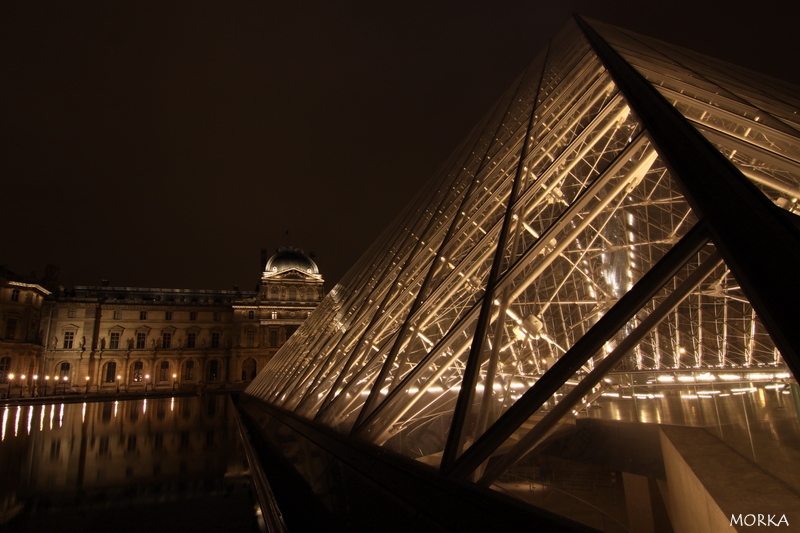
x,y
130,339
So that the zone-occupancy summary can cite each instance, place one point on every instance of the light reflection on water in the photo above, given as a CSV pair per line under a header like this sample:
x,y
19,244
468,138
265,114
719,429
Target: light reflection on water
x,y
107,455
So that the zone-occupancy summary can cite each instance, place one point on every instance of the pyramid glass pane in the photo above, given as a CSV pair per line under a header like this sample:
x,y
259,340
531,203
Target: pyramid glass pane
x,y
749,123
562,278
702,361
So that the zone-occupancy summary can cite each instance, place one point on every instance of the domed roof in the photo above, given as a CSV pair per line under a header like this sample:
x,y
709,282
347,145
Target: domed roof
x,y
286,258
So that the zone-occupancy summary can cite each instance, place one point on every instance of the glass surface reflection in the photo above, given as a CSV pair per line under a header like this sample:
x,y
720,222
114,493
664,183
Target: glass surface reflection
x,y
160,462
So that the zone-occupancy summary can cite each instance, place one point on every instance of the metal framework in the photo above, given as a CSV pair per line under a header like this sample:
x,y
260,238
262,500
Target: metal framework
x,y
624,218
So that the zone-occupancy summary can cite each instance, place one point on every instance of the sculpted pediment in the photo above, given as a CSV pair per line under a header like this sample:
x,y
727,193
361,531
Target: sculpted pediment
x,y
292,273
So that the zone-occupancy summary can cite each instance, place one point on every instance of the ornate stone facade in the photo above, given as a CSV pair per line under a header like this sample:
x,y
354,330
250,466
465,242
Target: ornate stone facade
x,y
20,315
128,339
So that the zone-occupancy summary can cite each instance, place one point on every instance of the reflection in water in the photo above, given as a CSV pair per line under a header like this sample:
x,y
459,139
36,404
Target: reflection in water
x,y
174,456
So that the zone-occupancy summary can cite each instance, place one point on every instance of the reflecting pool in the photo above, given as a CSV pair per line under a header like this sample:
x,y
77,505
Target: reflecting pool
x,y
160,463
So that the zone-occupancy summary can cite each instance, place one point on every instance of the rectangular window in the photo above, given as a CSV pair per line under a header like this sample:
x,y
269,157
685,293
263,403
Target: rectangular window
x,y
191,340
251,338
163,371
71,312
217,316
141,341
188,374
168,315
69,338
15,295
114,344
193,315
215,339
142,315
11,328
138,371
111,372
273,338
166,340
118,315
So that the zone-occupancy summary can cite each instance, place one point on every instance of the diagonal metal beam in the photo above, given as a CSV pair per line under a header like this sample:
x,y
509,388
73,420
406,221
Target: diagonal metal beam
x,y
758,243
550,421
455,437
584,348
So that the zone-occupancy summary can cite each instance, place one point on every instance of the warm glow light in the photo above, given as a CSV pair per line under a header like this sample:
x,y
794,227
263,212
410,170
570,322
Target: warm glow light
x,y
35,377
22,376
87,378
11,376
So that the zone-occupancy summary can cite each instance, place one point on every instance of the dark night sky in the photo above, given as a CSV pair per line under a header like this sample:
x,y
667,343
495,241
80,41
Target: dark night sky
x,y
164,144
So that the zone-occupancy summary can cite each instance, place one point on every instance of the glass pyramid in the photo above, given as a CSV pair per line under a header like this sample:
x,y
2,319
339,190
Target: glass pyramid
x,y
614,249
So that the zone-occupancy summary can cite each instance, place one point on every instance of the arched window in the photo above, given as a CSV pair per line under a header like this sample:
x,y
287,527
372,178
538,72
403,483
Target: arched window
x,y
5,368
292,294
213,370
163,371
63,372
188,371
248,369
251,315
137,375
110,373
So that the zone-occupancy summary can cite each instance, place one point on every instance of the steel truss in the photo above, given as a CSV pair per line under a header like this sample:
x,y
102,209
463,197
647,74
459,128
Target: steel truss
x,y
623,217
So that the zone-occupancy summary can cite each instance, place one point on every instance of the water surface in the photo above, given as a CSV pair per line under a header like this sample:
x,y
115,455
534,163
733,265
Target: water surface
x,y
131,465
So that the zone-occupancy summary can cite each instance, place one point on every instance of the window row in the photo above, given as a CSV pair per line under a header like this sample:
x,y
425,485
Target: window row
x,y
164,372
139,342
137,372
293,293
72,312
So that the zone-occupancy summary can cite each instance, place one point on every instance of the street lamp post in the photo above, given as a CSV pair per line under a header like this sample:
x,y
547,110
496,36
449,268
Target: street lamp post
x,y
146,377
10,384
35,383
118,378
174,377
46,384
86,391
21,384
65,379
